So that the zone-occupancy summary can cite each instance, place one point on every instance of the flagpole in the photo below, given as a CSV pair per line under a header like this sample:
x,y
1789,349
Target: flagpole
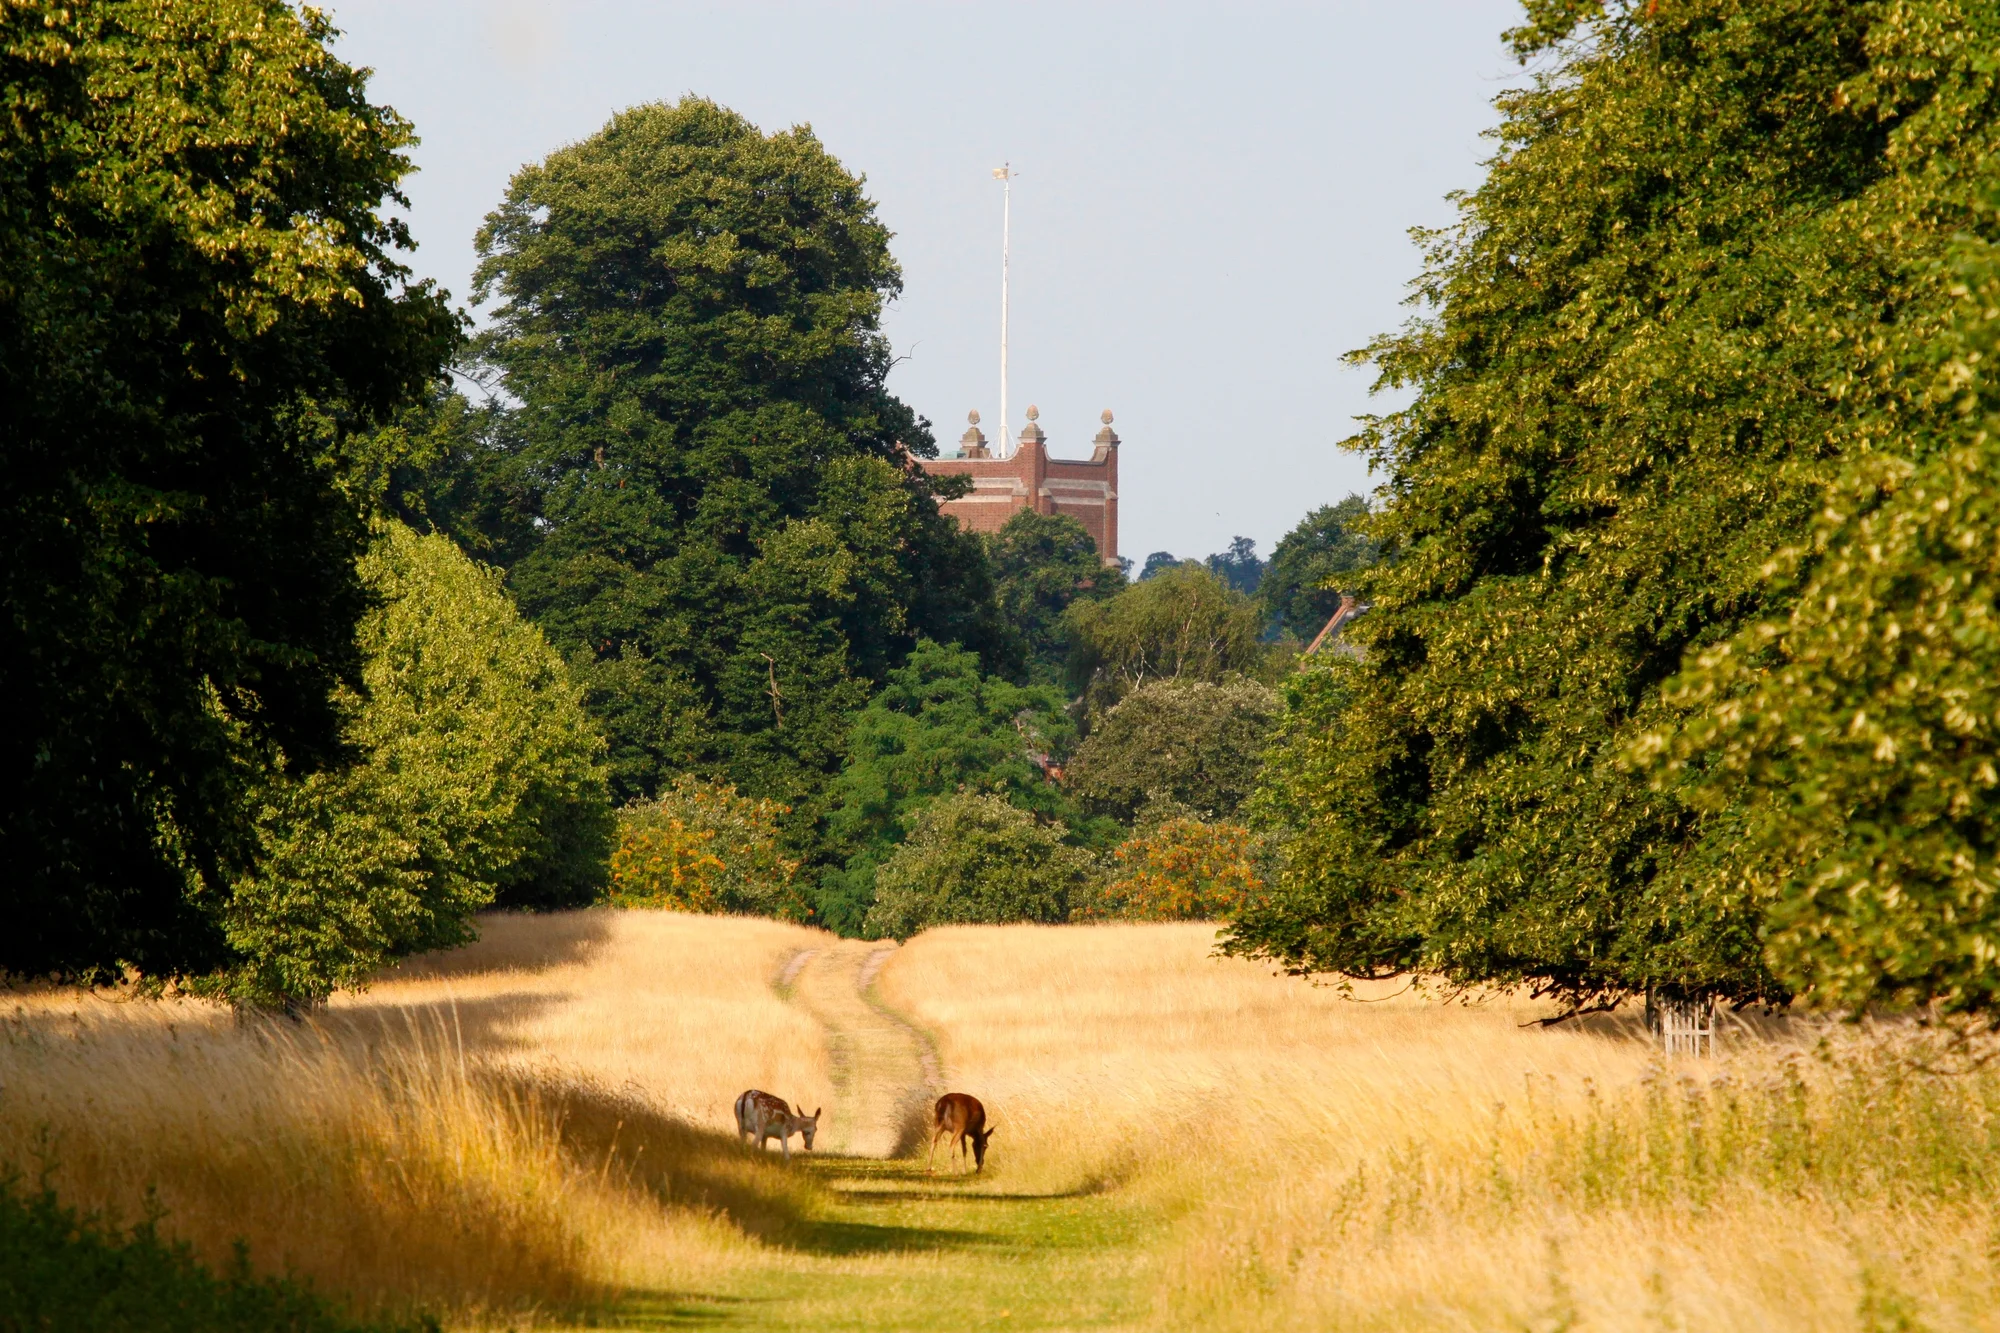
x,y
1005,174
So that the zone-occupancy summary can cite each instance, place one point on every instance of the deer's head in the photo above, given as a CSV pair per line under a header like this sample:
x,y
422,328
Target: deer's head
x,y
808,1125
979,1139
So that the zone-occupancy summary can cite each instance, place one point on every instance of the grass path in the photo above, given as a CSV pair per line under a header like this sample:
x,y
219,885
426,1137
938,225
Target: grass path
x,y
899,1249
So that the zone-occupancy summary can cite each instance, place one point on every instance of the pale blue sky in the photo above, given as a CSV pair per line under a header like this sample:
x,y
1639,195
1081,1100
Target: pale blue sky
x,y
1213,205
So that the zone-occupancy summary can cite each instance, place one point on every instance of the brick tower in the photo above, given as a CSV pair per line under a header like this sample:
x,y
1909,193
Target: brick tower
x,y
1086,489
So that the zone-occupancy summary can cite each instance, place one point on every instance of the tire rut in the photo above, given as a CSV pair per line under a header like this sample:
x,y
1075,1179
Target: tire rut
x,y
886,1070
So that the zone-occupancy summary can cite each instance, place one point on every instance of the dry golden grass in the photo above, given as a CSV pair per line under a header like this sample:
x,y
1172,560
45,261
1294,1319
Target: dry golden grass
x,y
518,1131
493,1134
1404,1164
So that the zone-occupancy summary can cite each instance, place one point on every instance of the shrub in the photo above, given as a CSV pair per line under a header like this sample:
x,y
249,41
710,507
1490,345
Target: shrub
x,y
975,859
1183,870
703,848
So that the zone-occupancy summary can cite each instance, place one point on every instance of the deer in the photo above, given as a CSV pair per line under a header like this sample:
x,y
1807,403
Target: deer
x,y
964,1119
761,1116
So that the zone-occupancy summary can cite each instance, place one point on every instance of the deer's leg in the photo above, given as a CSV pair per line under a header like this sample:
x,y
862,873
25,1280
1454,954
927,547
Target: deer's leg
x,y
930,1163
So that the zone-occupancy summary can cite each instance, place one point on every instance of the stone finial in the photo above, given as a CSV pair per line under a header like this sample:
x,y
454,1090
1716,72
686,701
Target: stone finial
x,y
1032,432
1105,437
972,444
1105,416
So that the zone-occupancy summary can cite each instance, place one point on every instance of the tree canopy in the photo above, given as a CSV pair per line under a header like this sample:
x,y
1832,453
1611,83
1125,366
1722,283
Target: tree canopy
x,y
731,539
1042,564
1181,746
1314,564
199,311
1182,624
1694,285
939,726
478,778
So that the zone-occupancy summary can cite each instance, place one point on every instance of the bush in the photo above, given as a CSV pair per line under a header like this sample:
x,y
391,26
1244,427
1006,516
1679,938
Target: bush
x,y
703,848
977,860
1183,870
60,1273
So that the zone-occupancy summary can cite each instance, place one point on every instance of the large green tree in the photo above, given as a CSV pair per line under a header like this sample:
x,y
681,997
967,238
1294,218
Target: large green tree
x,y
1689,287
731,538
478,778
1853,745
199,310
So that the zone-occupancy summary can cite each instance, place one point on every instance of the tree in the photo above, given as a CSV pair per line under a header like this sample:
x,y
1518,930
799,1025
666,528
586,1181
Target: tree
x,y
1178,745
1852,743
1182,870
1185,624
199,311
705,849
1703,258
939,726
975,859
1314,565
1239,566
479,778
1042,564
734,544
1158,563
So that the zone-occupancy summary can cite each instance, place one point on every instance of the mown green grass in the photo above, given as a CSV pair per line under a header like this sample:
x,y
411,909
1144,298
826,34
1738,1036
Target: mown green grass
x,y
895,1249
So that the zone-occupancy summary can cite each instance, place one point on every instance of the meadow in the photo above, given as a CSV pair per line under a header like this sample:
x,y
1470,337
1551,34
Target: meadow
x,y
535,1131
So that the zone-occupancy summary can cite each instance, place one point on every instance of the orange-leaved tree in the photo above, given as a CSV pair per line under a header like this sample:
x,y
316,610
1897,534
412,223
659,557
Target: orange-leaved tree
x,y
704,848
1183,870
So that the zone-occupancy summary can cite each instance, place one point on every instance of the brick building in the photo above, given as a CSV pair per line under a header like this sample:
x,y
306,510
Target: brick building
x,y
1086,489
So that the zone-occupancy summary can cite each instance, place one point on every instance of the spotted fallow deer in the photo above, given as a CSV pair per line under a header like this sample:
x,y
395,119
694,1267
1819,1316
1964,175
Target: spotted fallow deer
x,y
760,1117
964,1119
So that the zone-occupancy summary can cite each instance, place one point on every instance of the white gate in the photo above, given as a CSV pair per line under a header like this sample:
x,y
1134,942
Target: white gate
x,y
1686,1027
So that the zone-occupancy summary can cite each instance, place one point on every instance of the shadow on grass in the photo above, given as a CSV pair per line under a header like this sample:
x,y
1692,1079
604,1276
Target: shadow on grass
x,y
669,1309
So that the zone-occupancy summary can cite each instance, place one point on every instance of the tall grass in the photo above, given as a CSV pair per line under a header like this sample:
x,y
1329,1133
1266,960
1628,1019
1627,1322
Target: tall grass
x,y
1397,1162
434,1143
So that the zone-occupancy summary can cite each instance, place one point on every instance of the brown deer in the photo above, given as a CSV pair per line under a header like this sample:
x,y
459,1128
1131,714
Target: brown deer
x,y
964,1119
761,1116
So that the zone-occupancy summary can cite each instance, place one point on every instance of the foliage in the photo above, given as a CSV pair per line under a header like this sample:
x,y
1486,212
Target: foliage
x,y
479,780
1042,564
1858,733
1158,563
703,848
1182,870
61,1272
1239,566
1314,564
1184,624
1186,744
975,859
939,726
733,544
1703,261
198,309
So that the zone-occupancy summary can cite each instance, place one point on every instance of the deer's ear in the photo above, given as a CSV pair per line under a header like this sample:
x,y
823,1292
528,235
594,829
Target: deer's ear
x,y
991,1132
816,1111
